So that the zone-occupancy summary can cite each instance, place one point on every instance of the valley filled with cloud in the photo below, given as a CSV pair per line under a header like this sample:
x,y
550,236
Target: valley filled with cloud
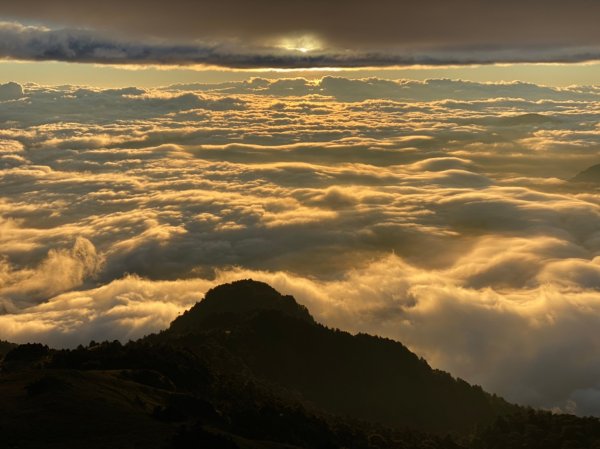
x,y
442,213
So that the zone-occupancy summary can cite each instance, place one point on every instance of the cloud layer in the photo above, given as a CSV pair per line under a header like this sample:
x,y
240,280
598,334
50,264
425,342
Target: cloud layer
x,y
439,213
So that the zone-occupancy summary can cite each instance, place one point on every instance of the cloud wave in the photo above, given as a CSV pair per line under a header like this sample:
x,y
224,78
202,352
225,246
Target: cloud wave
x,y
440,213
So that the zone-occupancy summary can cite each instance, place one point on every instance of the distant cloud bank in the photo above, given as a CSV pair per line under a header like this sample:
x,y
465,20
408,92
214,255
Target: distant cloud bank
x,y
146,34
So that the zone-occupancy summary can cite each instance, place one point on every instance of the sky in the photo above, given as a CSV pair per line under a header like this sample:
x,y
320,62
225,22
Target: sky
x,y
407,169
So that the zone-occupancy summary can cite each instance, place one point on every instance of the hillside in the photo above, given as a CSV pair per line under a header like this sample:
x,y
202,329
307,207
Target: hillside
x,y
361,376
5,347
590,175
250,368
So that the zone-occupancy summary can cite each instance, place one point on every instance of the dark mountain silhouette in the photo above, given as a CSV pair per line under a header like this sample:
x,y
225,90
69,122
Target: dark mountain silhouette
x,y
250,368
234,302
531,119
590,175
5,347
361,376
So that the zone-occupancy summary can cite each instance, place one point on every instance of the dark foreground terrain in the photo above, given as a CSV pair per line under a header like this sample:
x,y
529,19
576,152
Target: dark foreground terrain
x,y
250,368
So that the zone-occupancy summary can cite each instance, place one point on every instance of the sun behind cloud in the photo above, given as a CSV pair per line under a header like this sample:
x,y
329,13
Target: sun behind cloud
x,y
303,43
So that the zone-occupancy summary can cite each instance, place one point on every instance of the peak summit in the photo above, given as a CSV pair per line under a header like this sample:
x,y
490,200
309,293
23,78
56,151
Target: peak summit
x,y
239,299
589,175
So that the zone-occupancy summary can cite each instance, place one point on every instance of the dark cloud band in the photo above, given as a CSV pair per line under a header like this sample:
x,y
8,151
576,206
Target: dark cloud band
x,y
86,46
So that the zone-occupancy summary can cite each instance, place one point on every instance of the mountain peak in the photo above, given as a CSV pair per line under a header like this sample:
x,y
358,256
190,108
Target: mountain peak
x,y
590,175
237,300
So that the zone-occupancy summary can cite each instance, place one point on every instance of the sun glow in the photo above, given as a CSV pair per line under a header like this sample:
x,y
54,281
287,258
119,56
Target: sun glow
x,y
302,44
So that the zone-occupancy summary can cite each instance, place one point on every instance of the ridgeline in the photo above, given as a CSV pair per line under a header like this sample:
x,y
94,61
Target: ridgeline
x,y
250,368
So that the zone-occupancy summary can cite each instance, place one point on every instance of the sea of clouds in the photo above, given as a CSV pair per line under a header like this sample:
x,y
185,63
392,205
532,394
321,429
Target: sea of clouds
x,y
439,213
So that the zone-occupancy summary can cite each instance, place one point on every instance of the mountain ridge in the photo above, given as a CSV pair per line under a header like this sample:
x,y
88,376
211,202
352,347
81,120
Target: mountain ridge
x,y
250,368
375,379
590,175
